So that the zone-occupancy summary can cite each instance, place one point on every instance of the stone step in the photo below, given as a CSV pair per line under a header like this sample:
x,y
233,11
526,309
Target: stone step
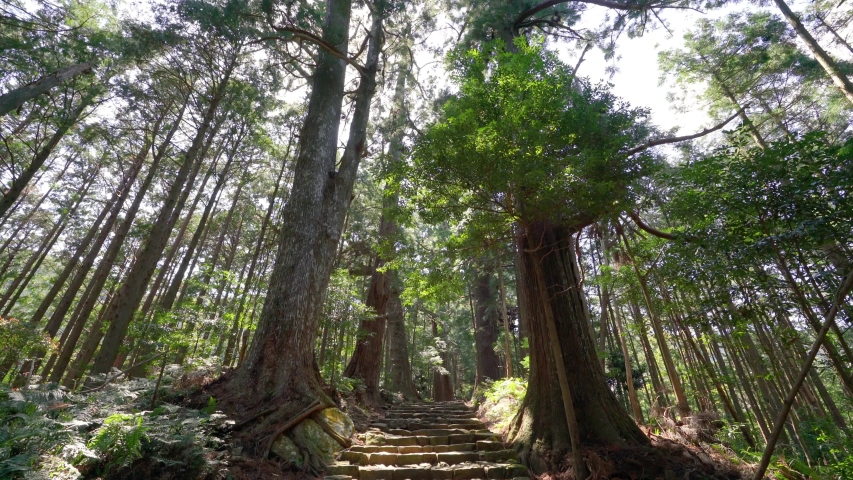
x,y
428,441
465,424
447,408
422,415
459,447
431,458
489,445
463,471
431,410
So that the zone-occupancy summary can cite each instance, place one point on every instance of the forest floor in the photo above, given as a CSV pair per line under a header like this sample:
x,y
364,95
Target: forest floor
x,y
113,433
677,452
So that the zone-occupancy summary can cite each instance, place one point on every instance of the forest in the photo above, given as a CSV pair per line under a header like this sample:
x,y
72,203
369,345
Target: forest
x,y
414,239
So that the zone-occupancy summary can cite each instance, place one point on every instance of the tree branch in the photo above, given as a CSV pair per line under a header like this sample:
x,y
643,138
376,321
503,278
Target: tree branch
x,y
649,229
310,37
664,141
603,3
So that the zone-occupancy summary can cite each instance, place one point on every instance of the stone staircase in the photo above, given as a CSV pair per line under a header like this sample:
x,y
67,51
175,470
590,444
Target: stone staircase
x,y
428,441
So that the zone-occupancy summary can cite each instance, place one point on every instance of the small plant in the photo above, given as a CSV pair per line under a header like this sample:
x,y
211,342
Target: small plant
x,y
503,398
120,440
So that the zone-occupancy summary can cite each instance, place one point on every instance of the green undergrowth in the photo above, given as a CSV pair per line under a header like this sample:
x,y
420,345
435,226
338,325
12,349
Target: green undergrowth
x,y
499,400
109,431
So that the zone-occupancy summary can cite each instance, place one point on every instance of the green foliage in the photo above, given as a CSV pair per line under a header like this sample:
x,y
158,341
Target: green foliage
x,y
48,430
752,201
616,373
19,338
119,441
30,428
752,59
525,140
502,400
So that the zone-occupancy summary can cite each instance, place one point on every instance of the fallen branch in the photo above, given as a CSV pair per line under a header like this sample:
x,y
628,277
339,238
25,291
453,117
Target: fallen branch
x,y
315,406
843,290
254,416
124,372
343,441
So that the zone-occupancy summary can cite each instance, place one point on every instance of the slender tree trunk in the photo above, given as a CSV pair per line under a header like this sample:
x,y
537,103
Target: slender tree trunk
x,y
778,426
823,58
113,208
130,294
19,284
674,377
16,98
661,399
24,178
87,302
25,221
505,317
629,374
220,242
235,328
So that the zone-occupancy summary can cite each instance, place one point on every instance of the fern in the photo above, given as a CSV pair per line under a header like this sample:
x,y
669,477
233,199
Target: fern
x,y
119,440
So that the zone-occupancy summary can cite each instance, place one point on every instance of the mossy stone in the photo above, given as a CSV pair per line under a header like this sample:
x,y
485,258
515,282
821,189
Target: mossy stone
x,y
284,448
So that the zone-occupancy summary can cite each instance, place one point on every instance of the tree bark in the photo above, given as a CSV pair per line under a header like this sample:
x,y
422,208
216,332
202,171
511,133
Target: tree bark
x,y
400,370
16,98
24,178
279,368
366,360
539,429
485,329
127,299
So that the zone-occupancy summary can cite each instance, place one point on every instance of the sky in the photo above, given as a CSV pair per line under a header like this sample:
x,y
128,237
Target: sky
x,y
637,78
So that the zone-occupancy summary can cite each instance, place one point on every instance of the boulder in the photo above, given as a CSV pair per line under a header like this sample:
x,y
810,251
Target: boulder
x,y
284,448
312,436
338,421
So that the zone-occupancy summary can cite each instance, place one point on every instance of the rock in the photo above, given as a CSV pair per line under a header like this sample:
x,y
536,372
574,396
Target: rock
x,y
284,448
317,440
338,421
313,436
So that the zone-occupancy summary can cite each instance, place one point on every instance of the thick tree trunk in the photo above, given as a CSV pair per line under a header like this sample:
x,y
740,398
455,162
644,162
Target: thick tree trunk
x,y
400,370
279,368
485,330
366,360
383,293
539,430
